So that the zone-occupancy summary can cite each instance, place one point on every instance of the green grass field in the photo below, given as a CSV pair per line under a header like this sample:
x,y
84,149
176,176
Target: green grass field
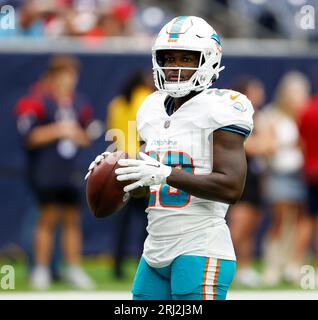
x,y
101,270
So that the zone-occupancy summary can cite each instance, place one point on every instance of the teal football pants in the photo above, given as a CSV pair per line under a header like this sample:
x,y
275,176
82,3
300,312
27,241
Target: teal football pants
x,y
186,278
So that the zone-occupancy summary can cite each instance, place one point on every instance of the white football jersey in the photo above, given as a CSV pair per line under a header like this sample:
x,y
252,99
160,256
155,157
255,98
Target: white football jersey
x,y
179,223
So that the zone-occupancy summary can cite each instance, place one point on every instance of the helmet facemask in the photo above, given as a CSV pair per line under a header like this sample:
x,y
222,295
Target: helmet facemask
x,y
201,79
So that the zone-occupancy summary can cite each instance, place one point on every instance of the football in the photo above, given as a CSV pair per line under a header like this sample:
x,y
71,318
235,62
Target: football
x,y
104,193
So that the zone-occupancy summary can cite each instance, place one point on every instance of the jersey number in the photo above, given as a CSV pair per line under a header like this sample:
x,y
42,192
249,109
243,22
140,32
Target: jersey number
x,y
169,197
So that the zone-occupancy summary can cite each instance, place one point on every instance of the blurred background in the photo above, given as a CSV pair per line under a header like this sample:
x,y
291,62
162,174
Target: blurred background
x,y
92,60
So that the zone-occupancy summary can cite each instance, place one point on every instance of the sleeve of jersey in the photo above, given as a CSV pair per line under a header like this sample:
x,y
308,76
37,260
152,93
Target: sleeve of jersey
x,y
235,116
29,113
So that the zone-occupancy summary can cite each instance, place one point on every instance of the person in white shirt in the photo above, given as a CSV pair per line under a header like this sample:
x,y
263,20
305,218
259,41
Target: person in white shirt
x,y
285,189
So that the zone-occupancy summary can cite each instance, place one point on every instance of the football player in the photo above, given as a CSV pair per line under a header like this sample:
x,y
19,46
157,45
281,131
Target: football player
x,y
194,164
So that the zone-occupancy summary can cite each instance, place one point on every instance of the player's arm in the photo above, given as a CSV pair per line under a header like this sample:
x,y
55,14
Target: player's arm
x,y
48,133
226,182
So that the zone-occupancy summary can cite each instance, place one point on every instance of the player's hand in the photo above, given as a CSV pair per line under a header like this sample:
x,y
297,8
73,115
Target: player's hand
x,y
96,162
147,172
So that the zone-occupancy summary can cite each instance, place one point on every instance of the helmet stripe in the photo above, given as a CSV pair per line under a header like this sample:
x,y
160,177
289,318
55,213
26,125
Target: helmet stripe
x,y
216,38
175,29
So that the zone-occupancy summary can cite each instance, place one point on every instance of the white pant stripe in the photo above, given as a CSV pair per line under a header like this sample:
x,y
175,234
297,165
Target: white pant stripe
x,y
209,286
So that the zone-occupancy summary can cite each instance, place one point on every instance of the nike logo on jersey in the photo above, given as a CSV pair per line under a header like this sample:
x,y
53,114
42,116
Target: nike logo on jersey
x,y
234,96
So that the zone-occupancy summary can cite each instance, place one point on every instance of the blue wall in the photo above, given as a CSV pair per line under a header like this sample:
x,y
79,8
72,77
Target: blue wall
x,y
101,78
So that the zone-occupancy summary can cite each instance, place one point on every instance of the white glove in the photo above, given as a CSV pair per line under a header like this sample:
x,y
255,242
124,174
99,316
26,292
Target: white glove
x,y
96,162
147,172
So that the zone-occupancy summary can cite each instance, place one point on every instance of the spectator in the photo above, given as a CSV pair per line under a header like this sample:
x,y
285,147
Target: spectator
x,y
114,21
53,126
244,216
37,91
107,25
29,22
285,188
308,128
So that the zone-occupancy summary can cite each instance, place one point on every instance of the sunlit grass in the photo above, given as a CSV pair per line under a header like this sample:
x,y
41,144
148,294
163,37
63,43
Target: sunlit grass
x,y
100,269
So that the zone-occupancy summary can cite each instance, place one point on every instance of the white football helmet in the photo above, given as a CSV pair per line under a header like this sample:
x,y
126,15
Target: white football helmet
x,y
192,34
